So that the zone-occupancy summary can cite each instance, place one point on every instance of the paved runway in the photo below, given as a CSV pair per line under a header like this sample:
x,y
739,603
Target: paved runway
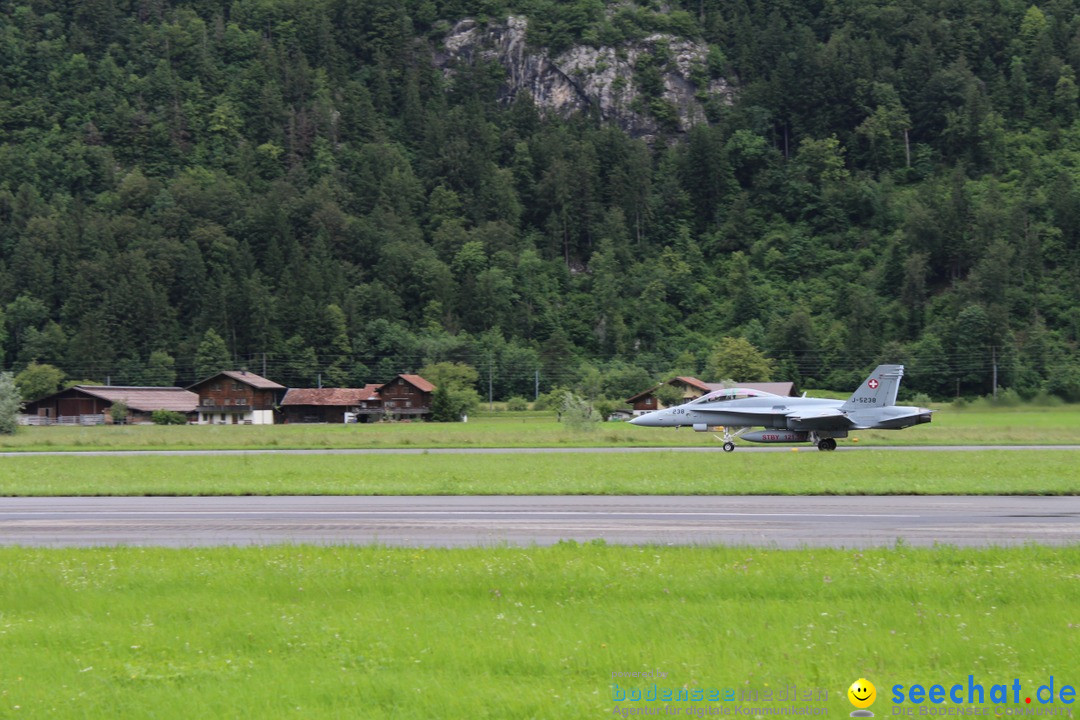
x,y
765,521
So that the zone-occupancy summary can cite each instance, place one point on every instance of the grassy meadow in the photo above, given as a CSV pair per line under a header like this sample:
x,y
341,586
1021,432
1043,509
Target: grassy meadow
x,y
974,426
302,632
807,471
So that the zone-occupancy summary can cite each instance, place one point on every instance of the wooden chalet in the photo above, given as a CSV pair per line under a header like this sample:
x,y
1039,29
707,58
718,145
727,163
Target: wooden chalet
x,y
406,397
234,397
691,388
331,405
91,404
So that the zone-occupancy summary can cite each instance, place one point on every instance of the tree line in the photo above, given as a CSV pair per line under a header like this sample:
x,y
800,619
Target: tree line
x,y
297,183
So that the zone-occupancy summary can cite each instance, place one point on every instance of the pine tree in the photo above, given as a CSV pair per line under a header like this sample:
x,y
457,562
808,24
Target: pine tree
x,y
212,356
442,407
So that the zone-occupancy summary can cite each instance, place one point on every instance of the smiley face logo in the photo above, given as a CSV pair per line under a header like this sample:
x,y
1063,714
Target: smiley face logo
x,y
862,693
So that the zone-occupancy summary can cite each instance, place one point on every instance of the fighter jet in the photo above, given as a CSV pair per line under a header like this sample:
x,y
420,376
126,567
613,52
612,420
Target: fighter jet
x,y
794,420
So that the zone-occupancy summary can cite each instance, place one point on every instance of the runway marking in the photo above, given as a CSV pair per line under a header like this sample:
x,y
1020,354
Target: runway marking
x,y
367,513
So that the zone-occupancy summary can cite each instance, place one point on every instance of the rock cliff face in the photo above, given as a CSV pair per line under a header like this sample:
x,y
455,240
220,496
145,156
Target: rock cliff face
x,y
586,77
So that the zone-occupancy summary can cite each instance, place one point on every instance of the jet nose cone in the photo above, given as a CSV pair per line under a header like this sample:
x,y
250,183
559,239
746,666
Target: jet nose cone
x,y
642,420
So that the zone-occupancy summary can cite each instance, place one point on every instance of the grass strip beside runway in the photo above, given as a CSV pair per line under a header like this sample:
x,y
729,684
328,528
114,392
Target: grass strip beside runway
x,y
302,632
1026,425
807,472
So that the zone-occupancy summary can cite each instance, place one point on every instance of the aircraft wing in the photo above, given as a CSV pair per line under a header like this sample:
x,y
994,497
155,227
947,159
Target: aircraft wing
x,y
748,416
811,418
819,419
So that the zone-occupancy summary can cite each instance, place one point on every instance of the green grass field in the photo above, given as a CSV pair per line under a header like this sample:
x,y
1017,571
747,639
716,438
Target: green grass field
x,y
808,471
301,632
1025,425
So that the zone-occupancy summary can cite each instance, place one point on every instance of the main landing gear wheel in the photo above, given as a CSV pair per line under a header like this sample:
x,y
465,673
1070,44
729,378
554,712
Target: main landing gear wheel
x,y
826,444
729,446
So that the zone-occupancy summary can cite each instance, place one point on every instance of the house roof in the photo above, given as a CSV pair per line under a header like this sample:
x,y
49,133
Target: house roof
x,y
248,378
418,382
786,389
643,393
329,396
693,382
371,391
145,399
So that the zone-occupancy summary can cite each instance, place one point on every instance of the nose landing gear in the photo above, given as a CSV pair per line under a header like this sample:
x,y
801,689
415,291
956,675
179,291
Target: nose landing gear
x,y
730,433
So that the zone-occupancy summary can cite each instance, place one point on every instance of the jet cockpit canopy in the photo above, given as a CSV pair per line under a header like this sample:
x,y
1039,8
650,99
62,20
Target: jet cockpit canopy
x,y
731,394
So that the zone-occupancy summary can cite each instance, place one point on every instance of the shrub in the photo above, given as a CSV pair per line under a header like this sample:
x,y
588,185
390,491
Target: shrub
x,y
1045,399
119,412
604,407
168,417
578,413
1007,397
550,400
517,404
921,399
10,404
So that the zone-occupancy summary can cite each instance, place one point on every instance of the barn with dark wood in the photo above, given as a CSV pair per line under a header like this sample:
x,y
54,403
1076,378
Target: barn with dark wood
x,y
406,397
90,404
331,405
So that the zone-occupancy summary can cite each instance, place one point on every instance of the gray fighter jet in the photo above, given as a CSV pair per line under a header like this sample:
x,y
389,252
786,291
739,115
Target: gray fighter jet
x,y
794,420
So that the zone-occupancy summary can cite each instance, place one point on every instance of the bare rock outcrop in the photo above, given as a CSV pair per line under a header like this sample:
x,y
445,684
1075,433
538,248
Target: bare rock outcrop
x,y
584,78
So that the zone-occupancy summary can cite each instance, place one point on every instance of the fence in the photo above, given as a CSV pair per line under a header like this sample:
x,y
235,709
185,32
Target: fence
x,y
62,420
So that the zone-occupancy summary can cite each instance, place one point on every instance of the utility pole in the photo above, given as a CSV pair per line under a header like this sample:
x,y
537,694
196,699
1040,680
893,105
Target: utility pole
x,y
536,391
491,395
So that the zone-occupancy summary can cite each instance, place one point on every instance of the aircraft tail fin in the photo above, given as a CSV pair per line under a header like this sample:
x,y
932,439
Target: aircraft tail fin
x,y
878,390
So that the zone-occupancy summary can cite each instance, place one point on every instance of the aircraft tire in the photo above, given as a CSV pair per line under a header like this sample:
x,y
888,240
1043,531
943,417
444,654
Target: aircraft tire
x,y
826,445
729,446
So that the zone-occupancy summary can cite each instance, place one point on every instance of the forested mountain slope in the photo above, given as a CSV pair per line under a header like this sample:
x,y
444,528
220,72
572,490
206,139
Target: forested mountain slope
x,y
888,180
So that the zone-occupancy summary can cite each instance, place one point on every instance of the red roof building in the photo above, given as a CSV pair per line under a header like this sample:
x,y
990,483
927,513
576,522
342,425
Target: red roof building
x,y
406,397
331,405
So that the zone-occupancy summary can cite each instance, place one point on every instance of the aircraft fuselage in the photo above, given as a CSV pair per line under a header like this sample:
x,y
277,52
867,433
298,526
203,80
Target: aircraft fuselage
x,y
792,419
